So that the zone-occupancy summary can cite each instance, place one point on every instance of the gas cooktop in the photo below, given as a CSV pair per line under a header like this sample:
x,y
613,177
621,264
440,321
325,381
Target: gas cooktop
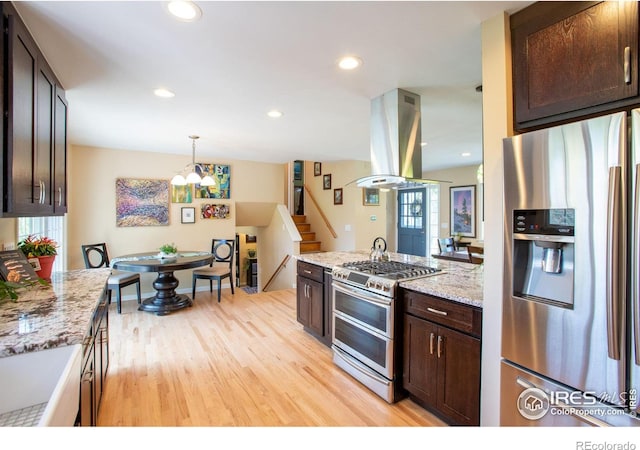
x,y
380,276
394,270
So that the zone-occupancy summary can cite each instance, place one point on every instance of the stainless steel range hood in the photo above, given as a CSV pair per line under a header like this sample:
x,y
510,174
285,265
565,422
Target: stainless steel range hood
x,y
396,134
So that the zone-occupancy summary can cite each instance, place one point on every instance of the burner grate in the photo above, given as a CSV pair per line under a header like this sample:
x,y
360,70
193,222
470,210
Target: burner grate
x,y
395,270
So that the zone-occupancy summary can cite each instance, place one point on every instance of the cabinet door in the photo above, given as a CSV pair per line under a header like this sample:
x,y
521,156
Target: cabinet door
x,y
59,192
572,56
21,195
458,376
43,160
420,359
303,303
310,304
316,317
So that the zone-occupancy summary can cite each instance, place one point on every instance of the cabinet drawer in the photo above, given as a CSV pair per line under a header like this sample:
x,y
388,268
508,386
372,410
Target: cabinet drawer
x,y
467,319
310,271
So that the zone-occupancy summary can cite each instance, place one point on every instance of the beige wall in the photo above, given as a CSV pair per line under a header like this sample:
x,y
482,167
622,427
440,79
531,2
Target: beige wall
x,y
352,220
91,217
458,176
497,120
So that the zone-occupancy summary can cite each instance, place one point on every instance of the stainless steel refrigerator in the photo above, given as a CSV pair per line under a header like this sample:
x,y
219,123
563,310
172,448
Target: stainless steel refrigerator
x,y
570,324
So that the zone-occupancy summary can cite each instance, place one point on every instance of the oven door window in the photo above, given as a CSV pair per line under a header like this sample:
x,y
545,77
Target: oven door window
x,y
376,316
372,349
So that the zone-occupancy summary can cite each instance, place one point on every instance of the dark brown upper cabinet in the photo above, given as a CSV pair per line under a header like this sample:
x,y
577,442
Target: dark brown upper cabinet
x,y
34,175
572,60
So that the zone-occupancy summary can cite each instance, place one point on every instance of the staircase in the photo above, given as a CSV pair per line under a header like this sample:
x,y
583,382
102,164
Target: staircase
x,y
308,243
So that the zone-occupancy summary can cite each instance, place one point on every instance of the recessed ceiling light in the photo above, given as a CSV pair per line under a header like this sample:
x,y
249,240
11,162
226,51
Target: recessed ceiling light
x,y
465,154
274,113
164,93
349,62
184,10
423,144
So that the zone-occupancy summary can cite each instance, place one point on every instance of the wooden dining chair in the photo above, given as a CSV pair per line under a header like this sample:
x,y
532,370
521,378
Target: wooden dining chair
x,y
96,256
446,245
473,251
220,268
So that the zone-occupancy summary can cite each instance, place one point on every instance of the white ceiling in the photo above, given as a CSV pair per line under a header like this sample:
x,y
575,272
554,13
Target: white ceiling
x,y
242,59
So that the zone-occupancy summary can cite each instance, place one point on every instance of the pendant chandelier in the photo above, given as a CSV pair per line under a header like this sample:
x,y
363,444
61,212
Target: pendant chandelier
x,y
192,176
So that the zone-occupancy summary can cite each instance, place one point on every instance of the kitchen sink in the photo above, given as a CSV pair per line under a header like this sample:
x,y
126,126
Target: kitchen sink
x,y
41,388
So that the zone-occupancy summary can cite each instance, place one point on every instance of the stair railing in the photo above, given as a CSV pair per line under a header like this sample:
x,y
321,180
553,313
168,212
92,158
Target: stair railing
x,y
324,218
282,265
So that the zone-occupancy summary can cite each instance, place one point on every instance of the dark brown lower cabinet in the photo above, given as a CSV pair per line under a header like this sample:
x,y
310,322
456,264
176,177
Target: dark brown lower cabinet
x,y
94,365
441,366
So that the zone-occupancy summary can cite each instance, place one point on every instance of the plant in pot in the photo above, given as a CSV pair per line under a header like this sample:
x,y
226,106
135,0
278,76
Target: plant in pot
x,y
40,252
168,250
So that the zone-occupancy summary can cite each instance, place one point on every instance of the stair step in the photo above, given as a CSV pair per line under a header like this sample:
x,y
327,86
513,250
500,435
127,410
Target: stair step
x,y
299,219
309,246
308,235
303,227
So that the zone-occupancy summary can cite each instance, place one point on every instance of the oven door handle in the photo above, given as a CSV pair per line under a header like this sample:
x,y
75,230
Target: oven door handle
x,y
362,294
359,367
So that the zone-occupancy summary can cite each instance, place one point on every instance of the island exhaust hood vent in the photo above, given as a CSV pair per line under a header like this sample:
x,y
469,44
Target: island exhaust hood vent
x,y
396,133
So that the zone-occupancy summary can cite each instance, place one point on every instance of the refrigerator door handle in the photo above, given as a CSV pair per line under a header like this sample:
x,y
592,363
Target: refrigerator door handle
x,y
635,308
560,404
614,293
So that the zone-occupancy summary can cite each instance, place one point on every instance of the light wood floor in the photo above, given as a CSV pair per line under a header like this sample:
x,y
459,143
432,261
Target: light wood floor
x,y
243,362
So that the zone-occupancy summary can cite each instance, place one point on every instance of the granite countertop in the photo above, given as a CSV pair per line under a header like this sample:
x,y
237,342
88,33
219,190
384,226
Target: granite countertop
x,y
459,281
45,317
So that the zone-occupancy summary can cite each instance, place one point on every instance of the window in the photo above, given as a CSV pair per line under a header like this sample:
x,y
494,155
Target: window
x,y
52,227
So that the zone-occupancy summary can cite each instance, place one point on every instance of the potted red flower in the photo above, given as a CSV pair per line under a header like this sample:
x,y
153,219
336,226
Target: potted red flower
x,y
43,249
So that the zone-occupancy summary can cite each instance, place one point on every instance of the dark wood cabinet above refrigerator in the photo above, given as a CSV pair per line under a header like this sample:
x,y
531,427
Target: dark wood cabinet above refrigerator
x,y
572,60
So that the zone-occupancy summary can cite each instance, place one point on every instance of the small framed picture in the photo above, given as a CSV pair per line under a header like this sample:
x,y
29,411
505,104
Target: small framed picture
x,y
370,196
337,196
317,169
188,215
326,181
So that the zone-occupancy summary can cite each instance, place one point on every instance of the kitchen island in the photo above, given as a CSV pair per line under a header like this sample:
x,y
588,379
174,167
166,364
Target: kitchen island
x,y
398,327
48,338
460,282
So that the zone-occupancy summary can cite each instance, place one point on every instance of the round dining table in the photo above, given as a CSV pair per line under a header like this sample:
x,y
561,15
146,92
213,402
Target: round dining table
x,y
166,299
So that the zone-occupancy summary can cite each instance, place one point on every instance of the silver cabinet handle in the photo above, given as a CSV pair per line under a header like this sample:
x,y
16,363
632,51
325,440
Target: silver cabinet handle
x,y
437,311
440,342
627,65
307,271
59,196
613,262
431,336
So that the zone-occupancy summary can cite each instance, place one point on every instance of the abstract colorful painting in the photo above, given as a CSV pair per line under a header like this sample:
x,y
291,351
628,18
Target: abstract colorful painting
x,y
142,202
221,174
214,211
181,194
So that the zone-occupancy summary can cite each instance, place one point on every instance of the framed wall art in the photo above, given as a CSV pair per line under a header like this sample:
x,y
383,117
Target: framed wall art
x,y
370,196
221,174
188,215
181,194
142,202
326,181
208,211
317,169
463,210
337,196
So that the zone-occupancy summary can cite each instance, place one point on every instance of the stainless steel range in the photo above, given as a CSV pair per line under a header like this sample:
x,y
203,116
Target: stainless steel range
x,y
364,321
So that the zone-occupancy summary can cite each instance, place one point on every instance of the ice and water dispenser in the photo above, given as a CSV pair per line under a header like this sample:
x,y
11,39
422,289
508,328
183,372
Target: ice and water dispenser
x,y
543,255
